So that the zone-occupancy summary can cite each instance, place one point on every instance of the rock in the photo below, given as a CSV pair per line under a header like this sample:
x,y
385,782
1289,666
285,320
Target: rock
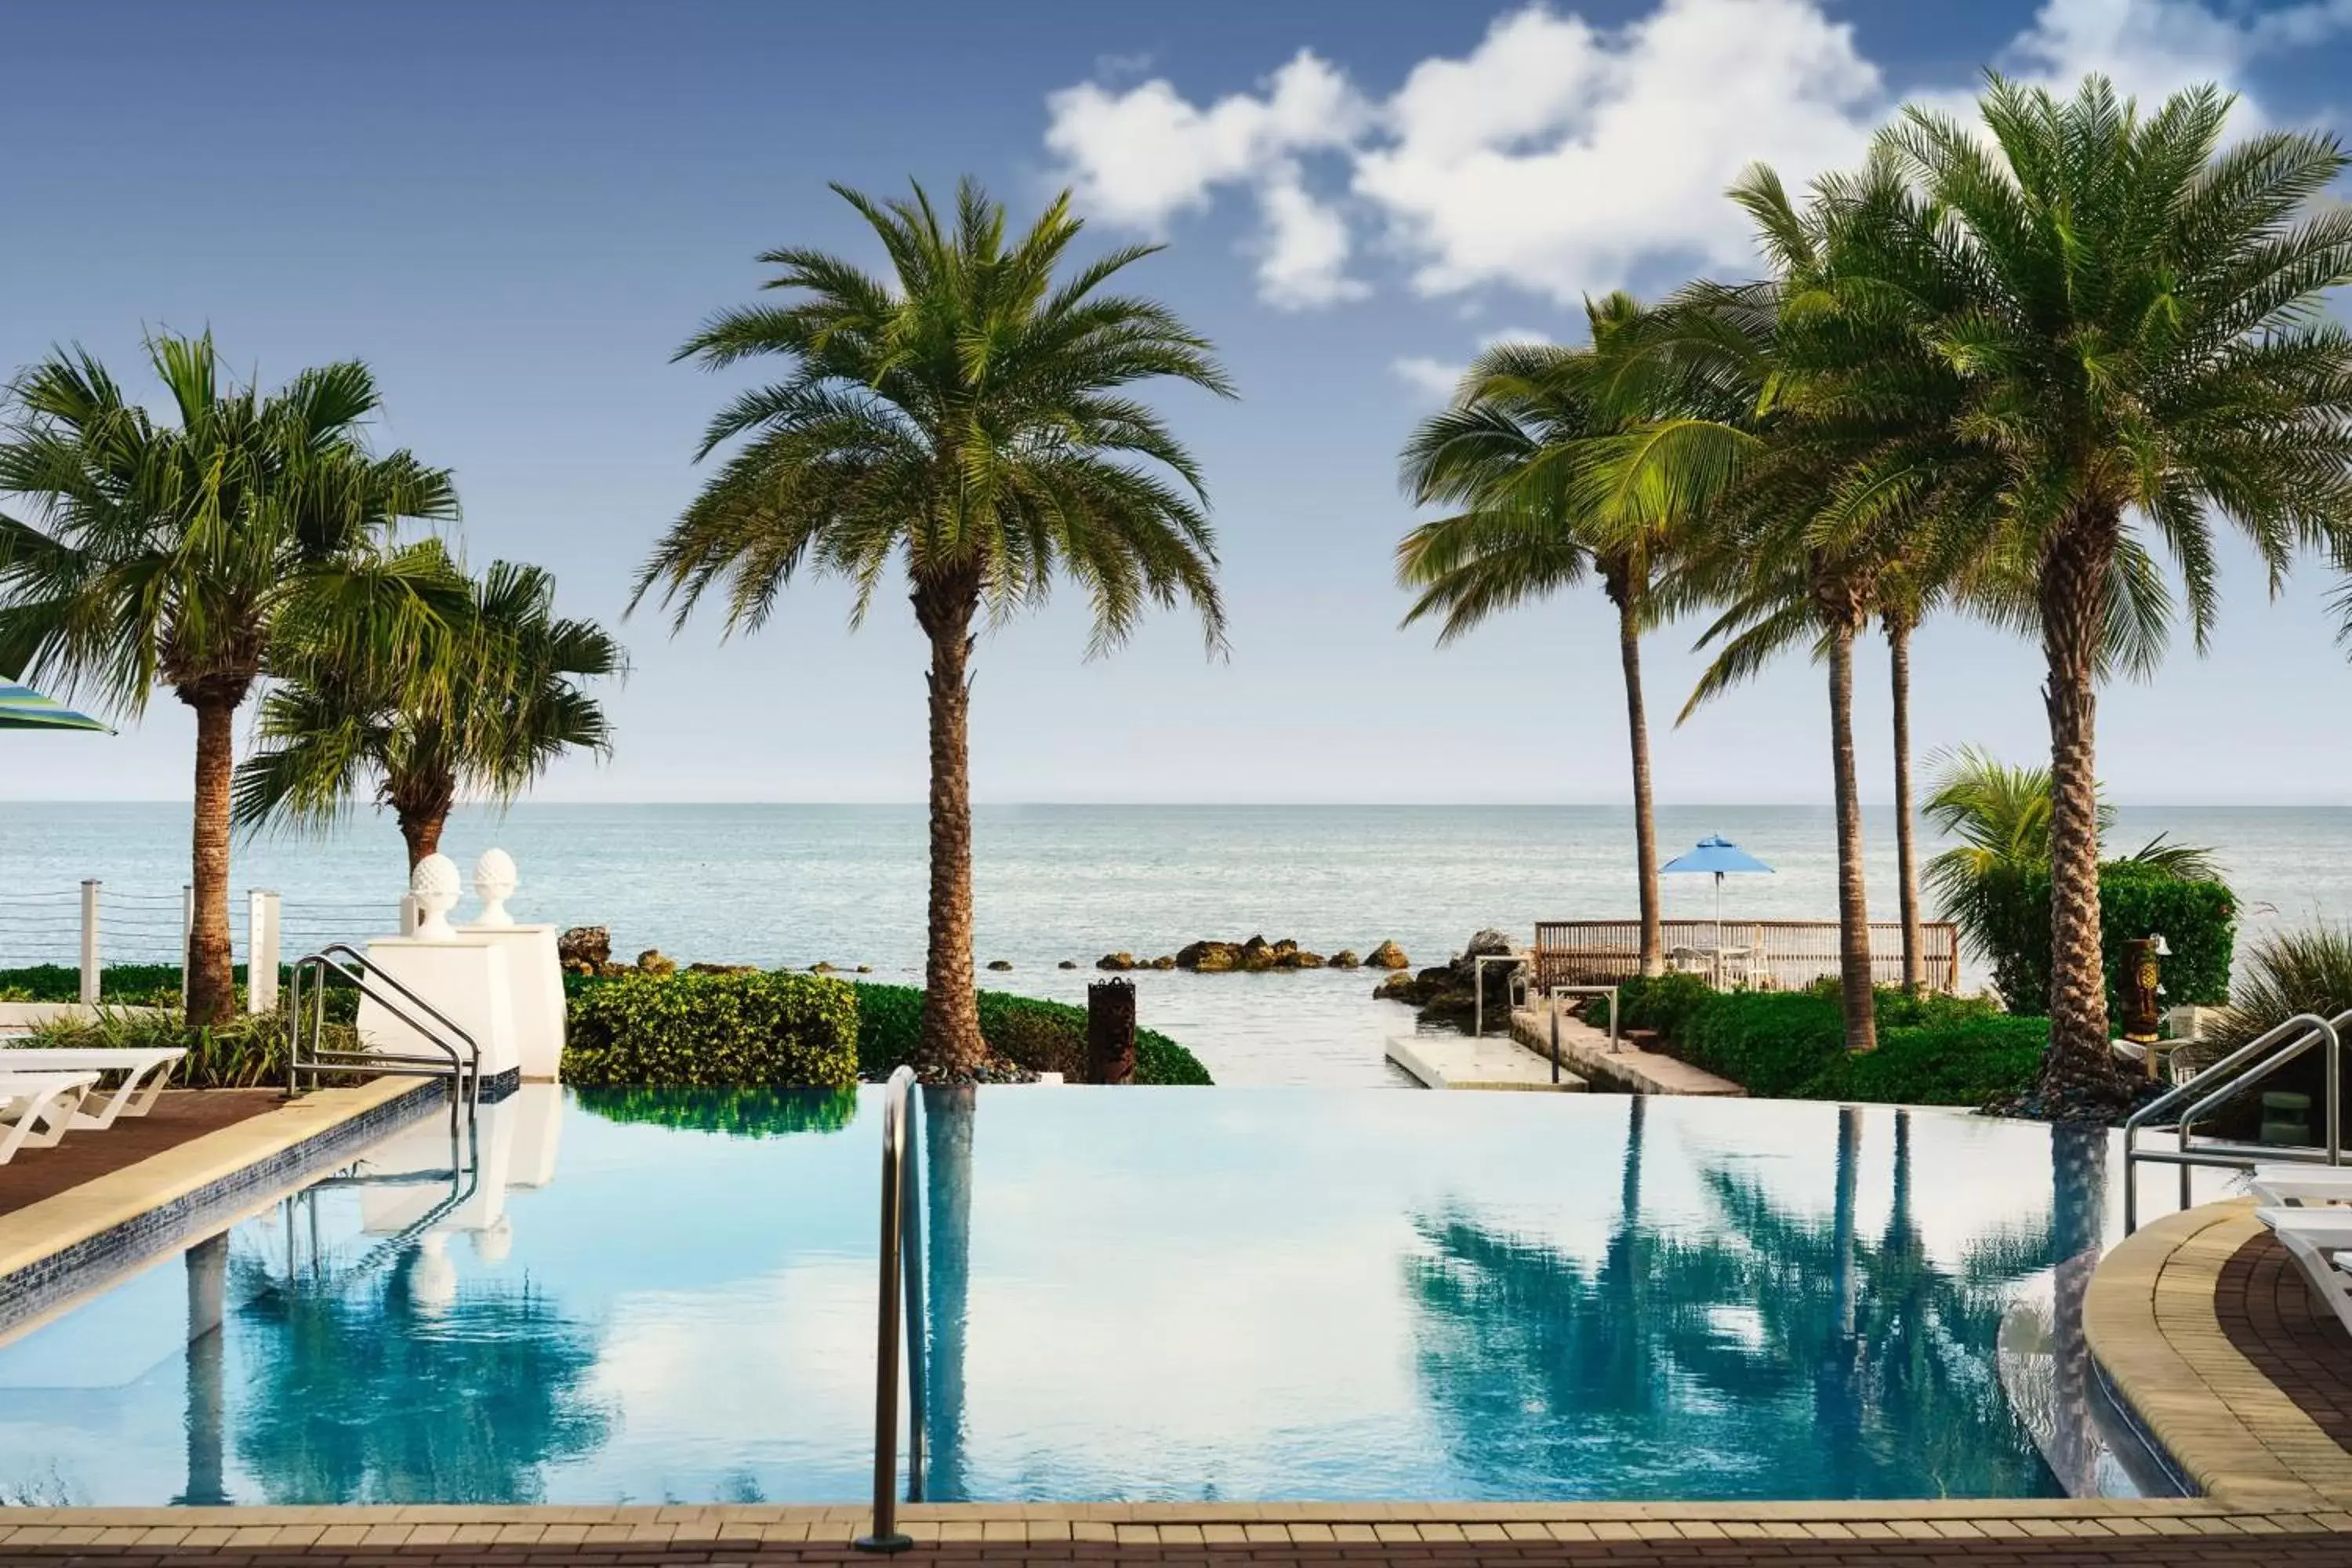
x,y
820,967
584,950
864,969
1257,955
1165,961
721,968
651,962
1067,963
1398,987
1297,958
1208,957
1388,955
1115,960
1345,959
999,966
1285,948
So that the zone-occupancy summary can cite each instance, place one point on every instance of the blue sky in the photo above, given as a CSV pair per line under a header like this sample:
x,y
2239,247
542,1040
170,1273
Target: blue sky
x,y
515,214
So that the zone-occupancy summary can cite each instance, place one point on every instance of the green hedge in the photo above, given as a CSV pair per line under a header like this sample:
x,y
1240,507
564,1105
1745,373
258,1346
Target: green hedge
x,y
759,1030
1932,1050
1044,1036
156,984
2198,921
738,1112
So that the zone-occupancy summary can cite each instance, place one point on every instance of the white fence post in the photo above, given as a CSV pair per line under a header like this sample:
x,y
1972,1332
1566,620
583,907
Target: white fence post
x,y
187,938
411,917
261,943
89,960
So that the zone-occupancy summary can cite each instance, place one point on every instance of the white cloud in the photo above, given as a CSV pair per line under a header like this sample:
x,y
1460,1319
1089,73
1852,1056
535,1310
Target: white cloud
x,y
1561,158
1434,378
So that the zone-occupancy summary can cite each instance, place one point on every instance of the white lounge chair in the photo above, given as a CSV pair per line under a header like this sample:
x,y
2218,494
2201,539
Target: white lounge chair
x,y
144,1073
2293,1186
2320,1239
36,1108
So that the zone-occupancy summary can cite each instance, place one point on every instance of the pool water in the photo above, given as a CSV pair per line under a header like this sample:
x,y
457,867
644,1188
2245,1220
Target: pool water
x,y
1131,1294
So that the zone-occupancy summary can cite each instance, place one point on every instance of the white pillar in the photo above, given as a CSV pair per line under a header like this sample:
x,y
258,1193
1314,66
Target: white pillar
x,y
409,916
261,945
89,960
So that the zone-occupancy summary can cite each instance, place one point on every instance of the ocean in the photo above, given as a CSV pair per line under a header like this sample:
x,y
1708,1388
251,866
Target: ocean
x,y
792,885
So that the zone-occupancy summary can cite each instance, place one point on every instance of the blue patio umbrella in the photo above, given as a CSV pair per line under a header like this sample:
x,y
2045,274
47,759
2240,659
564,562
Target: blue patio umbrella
x,y
22,708
1719,855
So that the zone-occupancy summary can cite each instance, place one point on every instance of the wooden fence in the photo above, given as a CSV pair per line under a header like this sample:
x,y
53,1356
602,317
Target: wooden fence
x,y
1790,954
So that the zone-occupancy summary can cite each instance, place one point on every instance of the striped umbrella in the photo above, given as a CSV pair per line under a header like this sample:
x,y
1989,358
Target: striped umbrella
x,y
22,708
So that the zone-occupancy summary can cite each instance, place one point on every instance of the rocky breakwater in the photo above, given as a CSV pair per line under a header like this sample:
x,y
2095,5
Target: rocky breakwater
x,y
1448,992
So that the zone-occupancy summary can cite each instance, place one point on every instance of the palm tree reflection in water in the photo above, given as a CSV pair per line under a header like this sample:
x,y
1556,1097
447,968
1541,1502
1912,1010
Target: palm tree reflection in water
x,y
947,1245
377,1389
1769,1355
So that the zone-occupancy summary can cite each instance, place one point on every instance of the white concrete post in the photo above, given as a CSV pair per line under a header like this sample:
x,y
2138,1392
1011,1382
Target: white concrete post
x,y
409,915
261,945
187,938
89,960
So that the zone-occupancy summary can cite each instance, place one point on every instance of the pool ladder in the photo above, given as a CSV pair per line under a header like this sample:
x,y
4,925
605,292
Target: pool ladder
x,y
458,1056
901,1290
2184,1105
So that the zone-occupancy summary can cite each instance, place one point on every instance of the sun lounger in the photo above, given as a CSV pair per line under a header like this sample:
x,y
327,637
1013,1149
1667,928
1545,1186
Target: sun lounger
x,y
2320,1239
2289,1185
144,1073
36,1108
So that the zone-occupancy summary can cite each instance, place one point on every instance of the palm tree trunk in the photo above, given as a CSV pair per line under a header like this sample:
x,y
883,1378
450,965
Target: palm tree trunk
x,y
422,833
2080,1061
951,1038
1853,904
1637,726
1914,959
211,979
422,795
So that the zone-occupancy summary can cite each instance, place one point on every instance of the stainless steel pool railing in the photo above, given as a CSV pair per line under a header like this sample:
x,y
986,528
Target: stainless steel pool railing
x,y
901,1285
460,1055
2191,1101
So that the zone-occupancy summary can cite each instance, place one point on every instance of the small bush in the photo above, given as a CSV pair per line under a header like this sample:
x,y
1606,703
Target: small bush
x,y
716,1031
1932,1049
1660,1002
1044,1036
246,1052
737,1112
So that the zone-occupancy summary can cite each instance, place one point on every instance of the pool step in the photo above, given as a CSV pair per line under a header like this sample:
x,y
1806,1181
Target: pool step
x,y
1457,1061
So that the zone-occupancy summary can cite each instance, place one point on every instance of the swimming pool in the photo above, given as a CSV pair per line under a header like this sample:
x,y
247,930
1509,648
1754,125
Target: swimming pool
x,y
1133,1294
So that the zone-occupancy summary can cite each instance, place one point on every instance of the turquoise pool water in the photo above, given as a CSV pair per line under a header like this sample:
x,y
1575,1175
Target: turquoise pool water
x,y
1133,1294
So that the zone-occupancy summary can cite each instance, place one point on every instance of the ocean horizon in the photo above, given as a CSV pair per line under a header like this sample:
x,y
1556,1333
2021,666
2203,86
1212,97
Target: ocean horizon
x,y
794,885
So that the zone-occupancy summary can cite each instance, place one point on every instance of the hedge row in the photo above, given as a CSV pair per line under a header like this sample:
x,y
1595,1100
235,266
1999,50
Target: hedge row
x,y
1932,1050
775,1029
2198,921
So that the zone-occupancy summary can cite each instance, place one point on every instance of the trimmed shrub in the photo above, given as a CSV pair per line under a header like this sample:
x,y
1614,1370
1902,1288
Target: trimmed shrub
x,y
717,1031
1661,1002
2199,921
737,1112
1932,1049
1044,1036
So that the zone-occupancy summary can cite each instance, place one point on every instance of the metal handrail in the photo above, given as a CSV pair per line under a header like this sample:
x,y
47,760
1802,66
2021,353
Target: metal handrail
x,y
2209,1089
464,1070
899,1208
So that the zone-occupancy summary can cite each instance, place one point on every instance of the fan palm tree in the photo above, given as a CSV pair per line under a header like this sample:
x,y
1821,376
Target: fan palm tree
x,y
484,703
971,419
2129,326
1516,453
171,553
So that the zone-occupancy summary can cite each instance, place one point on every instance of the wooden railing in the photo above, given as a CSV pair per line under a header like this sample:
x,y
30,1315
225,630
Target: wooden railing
x,y
1788,954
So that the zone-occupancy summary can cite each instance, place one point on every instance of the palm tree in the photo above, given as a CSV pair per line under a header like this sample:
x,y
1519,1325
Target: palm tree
x,y
484,703
970,418
2001,815
171,554
2128,325
1517,452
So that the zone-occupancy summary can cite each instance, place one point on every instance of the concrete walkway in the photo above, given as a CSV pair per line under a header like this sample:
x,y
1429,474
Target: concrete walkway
x,y
1457,1061
1585,1051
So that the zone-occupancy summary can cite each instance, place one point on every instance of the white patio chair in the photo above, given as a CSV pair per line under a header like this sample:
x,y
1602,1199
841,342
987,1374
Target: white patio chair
x,y
36,1108
2319,1240
144,1073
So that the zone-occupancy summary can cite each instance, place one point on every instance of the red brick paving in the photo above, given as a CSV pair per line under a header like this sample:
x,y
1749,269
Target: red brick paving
x,y
2272,1317
178,1116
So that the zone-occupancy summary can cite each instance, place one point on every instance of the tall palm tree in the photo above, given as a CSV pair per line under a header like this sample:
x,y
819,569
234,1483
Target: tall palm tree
x,y
2128,325
1516,453
171,554
483,703
970,418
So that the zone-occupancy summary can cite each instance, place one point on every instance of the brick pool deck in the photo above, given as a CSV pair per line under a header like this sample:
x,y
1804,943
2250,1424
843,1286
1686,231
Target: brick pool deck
x,y
2197,1321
